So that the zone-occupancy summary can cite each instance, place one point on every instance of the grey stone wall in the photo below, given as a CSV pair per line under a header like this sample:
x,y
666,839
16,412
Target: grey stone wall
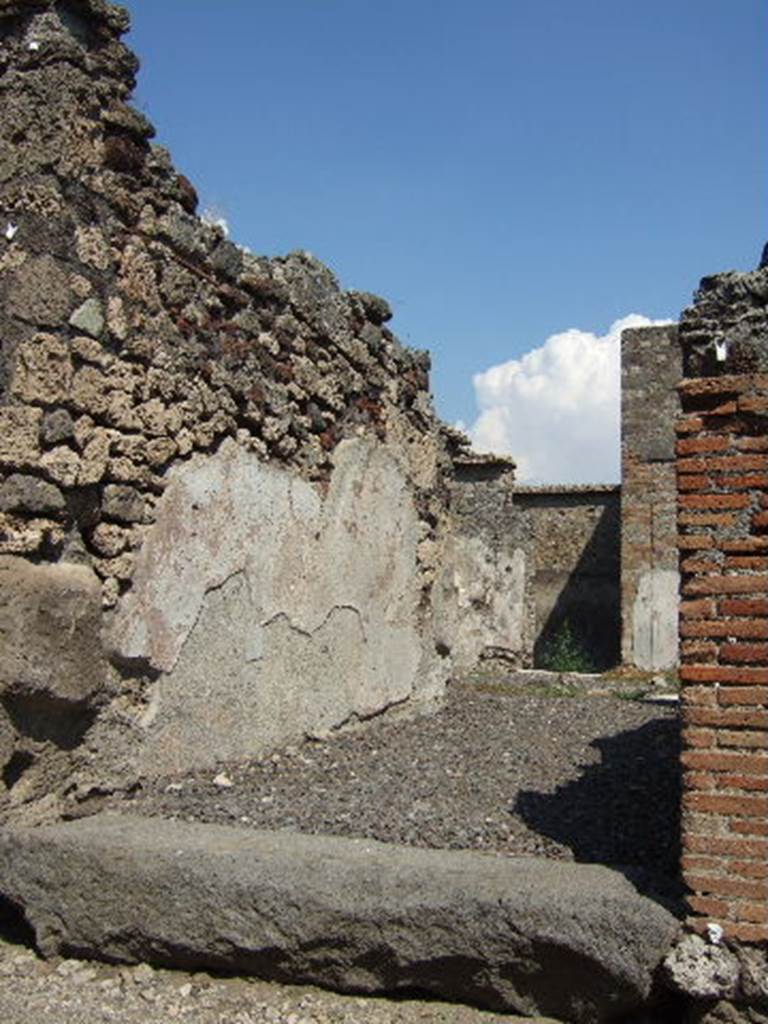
x,y
573,544
522,562
651,368
483,607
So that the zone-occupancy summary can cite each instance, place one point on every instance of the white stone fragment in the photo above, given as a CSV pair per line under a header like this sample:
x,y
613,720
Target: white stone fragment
x,y
10,232
721,350
34,46
223,781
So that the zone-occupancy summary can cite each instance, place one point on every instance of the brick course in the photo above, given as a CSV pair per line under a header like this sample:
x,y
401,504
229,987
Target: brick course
x,y
722,502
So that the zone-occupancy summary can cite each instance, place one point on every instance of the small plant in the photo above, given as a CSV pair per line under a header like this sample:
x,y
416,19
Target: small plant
x,y
565,652
639,693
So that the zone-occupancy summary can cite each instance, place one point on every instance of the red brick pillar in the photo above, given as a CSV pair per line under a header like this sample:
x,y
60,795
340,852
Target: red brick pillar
x,y
722,474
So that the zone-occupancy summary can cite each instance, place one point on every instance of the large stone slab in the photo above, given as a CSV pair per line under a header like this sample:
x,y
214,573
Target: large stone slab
x,y
576,942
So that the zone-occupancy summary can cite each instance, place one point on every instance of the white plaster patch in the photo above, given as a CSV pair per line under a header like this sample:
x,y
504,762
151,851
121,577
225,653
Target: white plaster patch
x,y
271,612
481,599
654,620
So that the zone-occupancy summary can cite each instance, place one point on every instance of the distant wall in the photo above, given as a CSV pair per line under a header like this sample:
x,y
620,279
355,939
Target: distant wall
x,y
603,558
524,560
651,368
483,605
574,566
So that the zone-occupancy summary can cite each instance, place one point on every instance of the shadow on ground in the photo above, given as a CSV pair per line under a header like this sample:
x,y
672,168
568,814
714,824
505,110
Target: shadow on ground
x,y
593,816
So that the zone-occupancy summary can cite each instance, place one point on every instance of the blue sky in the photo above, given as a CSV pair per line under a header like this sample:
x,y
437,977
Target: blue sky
x,y
502,171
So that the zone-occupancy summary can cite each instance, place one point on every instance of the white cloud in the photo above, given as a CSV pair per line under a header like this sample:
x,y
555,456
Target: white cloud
x,y
556,410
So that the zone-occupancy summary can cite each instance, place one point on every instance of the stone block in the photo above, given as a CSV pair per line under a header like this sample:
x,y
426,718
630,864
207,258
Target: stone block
x,y
123,503
19,435
57,426
21,492
43,371
50,622
89,318
39,293
573,941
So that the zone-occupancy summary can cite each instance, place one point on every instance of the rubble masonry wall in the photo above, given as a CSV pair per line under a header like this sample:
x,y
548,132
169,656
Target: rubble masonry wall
x,y
192,438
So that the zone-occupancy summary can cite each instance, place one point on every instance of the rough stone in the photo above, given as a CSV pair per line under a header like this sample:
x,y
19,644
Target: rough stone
x,y
23,493
61,464
39,292
21,535
50,620
89,318
754,975
376,308
125,504
7,738
57,426
576,942
92,248
702,970
43,370
20,435
729,307
110,540
94,461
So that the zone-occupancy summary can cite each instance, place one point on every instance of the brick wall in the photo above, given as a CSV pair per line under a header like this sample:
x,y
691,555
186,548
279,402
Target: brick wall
x,y
722,467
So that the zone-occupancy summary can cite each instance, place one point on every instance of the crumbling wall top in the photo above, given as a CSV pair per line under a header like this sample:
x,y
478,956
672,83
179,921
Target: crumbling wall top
x,y
114,16
725,331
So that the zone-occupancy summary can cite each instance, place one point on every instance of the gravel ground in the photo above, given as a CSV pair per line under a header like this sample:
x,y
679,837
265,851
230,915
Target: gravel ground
x,y
33,991
590,779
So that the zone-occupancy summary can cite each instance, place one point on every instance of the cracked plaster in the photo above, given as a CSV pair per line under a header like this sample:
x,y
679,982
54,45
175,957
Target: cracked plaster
x,y
271,612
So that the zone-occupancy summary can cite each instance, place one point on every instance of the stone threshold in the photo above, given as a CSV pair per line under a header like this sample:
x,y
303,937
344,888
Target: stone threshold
x,y
575,942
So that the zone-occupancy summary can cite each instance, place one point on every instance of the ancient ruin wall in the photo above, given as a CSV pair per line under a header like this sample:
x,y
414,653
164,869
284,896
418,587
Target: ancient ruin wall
x,y
230,455
573,556
520,562
722,465
651,368
483,597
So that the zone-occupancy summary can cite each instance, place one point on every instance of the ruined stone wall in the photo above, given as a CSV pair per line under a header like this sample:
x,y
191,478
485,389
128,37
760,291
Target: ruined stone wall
x,y
651,368
484,606
238,456
574,567
722,465
523,561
